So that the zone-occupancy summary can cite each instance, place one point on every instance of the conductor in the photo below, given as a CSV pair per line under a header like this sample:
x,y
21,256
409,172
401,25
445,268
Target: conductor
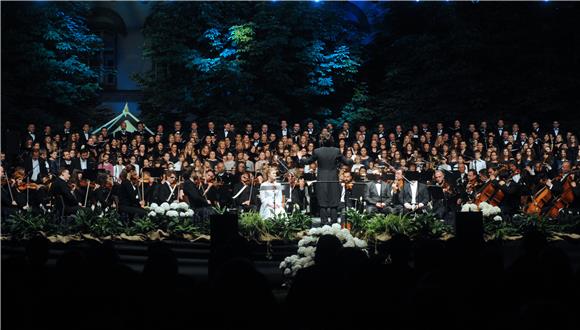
x,y
327,188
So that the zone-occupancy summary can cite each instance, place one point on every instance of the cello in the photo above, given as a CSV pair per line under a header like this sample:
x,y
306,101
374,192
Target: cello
x,y
490,193
564,199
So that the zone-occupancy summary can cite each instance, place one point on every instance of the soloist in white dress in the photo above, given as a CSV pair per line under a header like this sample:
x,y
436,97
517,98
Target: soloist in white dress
x,y
271,197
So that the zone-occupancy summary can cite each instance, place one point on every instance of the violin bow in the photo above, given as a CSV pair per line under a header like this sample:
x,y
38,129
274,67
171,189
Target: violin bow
x,y
9,189
87,193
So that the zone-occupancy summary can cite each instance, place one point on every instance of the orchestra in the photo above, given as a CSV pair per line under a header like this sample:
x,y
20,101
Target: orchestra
x,y
396,173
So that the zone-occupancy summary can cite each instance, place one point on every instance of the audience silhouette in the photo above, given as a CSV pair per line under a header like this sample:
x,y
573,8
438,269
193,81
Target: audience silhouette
x,y
403,284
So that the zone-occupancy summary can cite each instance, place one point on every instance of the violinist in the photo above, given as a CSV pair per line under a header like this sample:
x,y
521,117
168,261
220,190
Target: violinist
x,y
224,182
9,205
130,201
347,185
246,193
192,189
441,205
208,186
298,193
20,191
167,192
103,190
471,188
65,197
35,166
149,187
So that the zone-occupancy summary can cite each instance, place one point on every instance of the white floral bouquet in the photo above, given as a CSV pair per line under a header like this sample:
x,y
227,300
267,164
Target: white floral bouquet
x,y
307,247
170,210
487,209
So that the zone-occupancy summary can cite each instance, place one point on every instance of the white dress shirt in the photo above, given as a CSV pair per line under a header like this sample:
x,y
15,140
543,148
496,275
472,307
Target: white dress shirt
x,y
413,192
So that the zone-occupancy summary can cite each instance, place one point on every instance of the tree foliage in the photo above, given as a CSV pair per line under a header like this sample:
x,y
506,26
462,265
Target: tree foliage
x,y
248,61
45,48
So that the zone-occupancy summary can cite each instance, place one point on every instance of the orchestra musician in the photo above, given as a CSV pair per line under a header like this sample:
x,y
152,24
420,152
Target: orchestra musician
x,y
245,193
167,192
414,196
9,205
441,205
378,194
298,193
130,201
194,193
63,191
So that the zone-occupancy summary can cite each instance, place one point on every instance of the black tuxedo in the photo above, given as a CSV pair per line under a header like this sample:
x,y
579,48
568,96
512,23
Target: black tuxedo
x,y
128,195
422,194
76,164
43,171
165,195
29,136
60,189
84,139
243,196
194,195
280,133
129,198
123,135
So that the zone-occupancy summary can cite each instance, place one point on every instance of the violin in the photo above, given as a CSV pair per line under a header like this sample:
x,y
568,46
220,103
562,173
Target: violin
x,y
87,183
29,186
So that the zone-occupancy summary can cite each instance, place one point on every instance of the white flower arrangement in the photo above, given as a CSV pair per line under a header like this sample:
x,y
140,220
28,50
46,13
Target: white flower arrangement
x,y
487,209
171,210
307,247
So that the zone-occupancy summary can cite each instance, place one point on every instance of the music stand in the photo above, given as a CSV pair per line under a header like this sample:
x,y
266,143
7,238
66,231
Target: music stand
x,y
436,192
91,174
155,172
358,192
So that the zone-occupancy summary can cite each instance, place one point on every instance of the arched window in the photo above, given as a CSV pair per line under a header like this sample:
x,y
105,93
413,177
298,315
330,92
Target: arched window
x,y
107,24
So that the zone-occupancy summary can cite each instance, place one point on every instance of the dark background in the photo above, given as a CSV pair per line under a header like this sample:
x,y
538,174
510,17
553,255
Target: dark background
x,y
392,61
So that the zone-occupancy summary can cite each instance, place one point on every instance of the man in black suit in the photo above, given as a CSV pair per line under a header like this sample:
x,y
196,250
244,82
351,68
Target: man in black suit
x,y
298,192
123,135
500,129
284,130
84,162
192,189
62,192
167,192
35,166
226,132
245,194
66,161
85,134
414,196
378,195
328,187
141,131
31,134
130,201
556,129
